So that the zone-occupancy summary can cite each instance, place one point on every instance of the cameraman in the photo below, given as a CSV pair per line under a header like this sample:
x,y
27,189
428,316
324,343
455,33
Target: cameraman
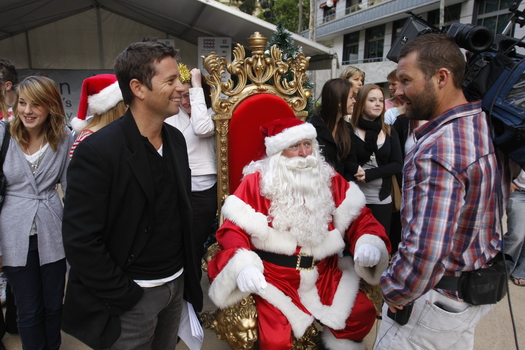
x,y
450,205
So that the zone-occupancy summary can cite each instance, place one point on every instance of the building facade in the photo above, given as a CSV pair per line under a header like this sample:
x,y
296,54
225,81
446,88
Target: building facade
x,y
362,32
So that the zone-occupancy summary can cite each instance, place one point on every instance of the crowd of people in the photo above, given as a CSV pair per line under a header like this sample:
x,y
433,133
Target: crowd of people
x,y
116,259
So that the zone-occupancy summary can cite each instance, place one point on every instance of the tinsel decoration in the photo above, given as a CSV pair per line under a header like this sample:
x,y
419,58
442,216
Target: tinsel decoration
x,y
283,39
185,76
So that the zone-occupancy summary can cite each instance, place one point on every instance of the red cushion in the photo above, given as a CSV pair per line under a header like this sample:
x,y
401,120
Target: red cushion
x,y
245,141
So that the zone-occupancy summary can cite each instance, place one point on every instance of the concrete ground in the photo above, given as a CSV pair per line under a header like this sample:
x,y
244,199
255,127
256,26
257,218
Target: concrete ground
x,y
494,331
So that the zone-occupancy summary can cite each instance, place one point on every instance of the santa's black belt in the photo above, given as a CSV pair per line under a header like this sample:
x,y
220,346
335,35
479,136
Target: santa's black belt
x,y
298,262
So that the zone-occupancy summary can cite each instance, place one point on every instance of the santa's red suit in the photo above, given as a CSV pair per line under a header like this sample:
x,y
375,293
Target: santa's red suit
x,y
294,298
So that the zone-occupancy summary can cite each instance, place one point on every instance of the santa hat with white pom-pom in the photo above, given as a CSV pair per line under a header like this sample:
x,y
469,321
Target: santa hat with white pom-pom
x,y
99,94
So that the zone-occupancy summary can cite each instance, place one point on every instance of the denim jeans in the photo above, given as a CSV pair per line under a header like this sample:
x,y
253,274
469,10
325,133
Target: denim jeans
x,y
38,292
515,236
437,322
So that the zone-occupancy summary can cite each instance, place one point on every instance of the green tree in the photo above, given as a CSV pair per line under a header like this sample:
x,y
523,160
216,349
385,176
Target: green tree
x,y
286,12
248,6
283,39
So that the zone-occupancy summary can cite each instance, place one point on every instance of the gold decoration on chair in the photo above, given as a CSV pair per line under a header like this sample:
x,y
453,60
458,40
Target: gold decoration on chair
x,y
253,75
236,325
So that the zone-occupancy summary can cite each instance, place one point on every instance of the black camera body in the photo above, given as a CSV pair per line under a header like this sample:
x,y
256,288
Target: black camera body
x,y
476,39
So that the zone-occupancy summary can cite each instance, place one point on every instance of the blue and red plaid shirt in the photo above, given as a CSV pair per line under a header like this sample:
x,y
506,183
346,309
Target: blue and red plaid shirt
x,y
451,204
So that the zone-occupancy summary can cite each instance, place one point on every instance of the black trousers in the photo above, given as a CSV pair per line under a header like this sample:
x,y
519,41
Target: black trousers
x,y
383,214
204,205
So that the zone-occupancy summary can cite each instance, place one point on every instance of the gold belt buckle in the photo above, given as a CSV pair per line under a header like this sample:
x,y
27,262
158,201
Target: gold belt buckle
x,y
298,266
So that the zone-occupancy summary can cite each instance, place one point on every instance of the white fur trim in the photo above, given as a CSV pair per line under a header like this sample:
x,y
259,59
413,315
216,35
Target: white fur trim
x,y
332,343
335,315
244,216
288,137
267,238
331,245
223,290
106,99
78,124
298,319
373,274
350,208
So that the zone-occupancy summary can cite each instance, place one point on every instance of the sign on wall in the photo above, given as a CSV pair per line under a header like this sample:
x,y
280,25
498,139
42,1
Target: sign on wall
x,y
222,46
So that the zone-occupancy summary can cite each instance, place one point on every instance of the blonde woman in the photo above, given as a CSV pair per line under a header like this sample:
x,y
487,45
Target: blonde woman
x,y
31,219
355,75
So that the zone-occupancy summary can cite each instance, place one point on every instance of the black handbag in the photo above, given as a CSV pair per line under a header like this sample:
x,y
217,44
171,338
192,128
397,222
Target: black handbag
x,y
5,146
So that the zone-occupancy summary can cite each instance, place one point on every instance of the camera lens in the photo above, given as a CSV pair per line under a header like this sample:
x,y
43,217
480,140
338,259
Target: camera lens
x,y
473,38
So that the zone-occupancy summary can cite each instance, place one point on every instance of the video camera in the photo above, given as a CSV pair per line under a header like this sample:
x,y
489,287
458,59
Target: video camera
x,y
495,74
474,38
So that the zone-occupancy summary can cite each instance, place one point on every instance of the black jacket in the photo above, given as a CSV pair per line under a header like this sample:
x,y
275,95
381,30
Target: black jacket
x,y
107,219
329,149
388,157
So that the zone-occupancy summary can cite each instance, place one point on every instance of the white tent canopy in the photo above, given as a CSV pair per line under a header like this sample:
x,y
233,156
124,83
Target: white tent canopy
x,y
88,34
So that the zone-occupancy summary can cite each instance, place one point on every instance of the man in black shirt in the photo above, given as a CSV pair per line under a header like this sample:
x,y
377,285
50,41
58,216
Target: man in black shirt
x,y
127,215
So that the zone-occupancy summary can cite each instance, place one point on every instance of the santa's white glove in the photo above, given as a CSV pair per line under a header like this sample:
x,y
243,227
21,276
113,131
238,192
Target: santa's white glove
x,y
366,255
251,280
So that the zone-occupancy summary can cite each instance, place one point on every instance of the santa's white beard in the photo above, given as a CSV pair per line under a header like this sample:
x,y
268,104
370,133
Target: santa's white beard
x,y
300,195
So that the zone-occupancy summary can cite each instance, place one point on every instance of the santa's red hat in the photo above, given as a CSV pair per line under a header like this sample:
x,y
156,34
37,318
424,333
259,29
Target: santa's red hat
x,y
280,134
99,94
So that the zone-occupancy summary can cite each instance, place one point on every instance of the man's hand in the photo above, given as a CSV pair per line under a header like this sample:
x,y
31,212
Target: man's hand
x,y
394,308
367,255
251,280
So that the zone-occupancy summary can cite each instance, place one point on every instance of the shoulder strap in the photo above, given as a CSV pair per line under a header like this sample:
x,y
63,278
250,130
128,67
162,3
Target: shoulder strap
x,y
5,142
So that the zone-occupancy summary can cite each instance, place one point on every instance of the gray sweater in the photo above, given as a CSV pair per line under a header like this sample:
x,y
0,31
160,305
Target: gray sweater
x,y
33,198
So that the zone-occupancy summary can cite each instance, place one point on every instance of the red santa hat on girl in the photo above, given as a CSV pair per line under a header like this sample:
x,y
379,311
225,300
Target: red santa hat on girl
x,y
280,134
99,94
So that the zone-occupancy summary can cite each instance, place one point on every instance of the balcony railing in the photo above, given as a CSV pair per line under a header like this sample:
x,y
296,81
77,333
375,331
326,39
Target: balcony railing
x,y
365,60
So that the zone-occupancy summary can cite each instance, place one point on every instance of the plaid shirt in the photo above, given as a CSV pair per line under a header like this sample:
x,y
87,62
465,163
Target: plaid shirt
x,y
450,208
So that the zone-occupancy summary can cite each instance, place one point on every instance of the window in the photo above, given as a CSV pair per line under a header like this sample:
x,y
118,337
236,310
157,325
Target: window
x,y
452,15
375,38
350,48
329,13
352,6
494,14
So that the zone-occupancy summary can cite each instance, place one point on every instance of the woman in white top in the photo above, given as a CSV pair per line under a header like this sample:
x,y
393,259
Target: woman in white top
x,y
196,124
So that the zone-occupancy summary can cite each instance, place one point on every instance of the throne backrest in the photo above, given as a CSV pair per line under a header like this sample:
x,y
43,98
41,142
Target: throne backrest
x,y
261,89
245,140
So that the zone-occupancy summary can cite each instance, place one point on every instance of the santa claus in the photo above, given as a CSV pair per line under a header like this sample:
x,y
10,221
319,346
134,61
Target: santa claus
x,y
299,237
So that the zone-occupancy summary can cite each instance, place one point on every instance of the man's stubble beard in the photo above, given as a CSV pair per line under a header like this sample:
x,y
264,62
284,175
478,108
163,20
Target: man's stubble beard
x,y
424,104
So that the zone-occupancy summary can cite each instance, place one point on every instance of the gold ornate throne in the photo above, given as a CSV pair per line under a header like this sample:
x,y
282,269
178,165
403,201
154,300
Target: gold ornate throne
x,y
256,93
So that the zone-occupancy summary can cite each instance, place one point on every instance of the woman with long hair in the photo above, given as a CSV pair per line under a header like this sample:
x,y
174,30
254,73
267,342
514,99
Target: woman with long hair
x,y
333,133
377,152
31,219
